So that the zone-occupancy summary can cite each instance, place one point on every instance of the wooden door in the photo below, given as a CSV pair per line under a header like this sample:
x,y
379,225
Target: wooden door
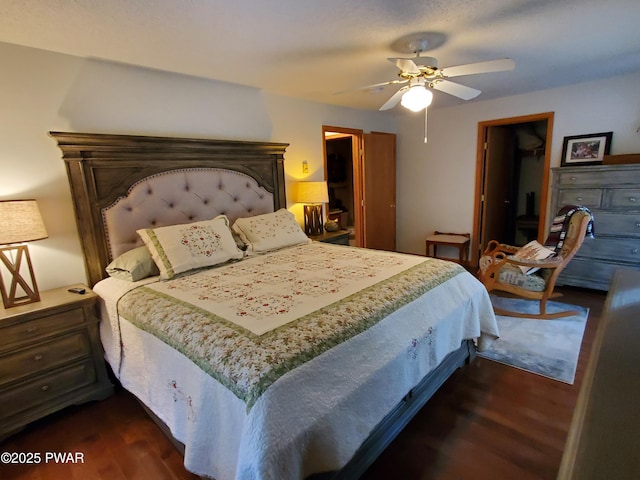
x,y
496,194
379,191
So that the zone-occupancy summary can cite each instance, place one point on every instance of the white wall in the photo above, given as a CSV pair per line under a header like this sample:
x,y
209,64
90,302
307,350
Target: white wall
x,y
42,91
436,181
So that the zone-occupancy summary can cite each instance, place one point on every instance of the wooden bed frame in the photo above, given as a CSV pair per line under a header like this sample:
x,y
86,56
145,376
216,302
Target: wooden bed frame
x,y
101,168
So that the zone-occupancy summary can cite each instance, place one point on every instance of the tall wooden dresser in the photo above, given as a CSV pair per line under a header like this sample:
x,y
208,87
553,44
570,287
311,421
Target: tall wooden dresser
x,y
612,193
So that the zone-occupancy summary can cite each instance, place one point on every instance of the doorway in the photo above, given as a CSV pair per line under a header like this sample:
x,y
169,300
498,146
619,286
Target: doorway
x,y
361,177
512,180
343,171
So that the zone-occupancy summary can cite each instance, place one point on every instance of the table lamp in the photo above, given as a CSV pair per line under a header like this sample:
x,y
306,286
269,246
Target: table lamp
x,y
313,195
20,221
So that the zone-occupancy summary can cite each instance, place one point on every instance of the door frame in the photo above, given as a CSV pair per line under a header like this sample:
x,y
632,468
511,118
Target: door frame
x,y
483,128
357,142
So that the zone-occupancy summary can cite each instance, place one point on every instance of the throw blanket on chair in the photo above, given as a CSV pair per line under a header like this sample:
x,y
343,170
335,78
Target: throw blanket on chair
x,y
560,226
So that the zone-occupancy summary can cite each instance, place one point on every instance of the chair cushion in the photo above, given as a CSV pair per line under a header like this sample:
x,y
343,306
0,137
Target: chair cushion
x,y
512,275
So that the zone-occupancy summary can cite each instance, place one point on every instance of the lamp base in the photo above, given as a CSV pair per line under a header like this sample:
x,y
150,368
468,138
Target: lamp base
x,y
9,296
313,220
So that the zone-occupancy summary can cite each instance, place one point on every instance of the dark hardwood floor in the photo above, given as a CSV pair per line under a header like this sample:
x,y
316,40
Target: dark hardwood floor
x,y
489,421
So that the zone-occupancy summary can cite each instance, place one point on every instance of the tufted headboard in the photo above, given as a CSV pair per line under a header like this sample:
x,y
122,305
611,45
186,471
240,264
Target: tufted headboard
x,y
121,183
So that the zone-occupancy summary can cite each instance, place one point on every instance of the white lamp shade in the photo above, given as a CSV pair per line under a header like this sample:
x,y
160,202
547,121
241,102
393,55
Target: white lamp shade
x,y
20,221
312,192
417,98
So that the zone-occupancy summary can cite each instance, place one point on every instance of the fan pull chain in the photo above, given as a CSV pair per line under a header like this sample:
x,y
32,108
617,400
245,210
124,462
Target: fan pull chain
x,y
425,124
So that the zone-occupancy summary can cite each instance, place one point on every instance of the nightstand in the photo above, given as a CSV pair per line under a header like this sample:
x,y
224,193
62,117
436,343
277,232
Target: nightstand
x,y
340,237
50,357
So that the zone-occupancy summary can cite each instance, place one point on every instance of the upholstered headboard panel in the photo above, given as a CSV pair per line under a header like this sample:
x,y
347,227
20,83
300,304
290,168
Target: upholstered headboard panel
x,y
120,183
181,196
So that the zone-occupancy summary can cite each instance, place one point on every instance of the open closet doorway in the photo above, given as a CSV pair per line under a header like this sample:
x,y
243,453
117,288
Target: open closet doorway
x,y
343,171
512,180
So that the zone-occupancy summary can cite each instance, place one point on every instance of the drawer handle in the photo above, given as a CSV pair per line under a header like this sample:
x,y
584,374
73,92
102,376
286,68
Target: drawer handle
x,y
632,199
37,358
31,329
45,388
638,224
573,179
579,199
634,250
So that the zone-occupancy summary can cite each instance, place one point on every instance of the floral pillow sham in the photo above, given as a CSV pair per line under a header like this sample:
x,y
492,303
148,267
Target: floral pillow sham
x,y
179,248
270,231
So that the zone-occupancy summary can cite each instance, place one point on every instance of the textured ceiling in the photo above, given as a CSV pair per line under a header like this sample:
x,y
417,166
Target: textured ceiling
x,y
313,49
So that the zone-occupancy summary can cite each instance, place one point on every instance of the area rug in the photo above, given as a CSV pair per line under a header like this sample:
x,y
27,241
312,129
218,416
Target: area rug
x,y
545,347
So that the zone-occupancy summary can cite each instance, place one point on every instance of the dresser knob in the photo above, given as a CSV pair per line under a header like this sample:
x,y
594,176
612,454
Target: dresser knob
x,y
31,329
579,199
632,199
573,179
45,388
37,358
638,224
634,250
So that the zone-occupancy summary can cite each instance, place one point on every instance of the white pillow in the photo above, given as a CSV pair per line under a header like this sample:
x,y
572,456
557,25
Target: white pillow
x,y
178,248
270,231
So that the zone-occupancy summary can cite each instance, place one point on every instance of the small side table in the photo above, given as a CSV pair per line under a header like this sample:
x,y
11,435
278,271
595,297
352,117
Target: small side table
x,y
50,357
457,240
340,237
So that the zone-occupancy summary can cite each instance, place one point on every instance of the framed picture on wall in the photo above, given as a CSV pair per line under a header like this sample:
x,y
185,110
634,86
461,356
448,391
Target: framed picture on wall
x,y
585,149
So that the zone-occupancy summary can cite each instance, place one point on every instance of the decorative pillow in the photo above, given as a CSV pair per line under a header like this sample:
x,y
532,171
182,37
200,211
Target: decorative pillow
x,y
532,251
178,248
270,231
133,265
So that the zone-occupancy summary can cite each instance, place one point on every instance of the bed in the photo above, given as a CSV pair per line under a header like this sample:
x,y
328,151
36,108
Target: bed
x,y
291,359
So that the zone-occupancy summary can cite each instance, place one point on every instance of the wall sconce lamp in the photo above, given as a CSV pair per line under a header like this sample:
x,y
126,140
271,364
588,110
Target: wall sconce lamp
x,y
20,222
313,195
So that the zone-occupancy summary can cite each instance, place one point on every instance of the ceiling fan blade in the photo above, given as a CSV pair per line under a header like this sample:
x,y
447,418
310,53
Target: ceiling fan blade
x,y
499,65
405,64
455,89
383,84
371,87
395,98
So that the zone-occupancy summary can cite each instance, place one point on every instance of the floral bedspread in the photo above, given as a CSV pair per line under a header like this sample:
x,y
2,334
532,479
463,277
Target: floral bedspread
x,y
248,323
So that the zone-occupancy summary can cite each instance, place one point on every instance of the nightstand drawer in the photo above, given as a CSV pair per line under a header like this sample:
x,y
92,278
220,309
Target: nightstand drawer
x,y
44,356
45,388
34,329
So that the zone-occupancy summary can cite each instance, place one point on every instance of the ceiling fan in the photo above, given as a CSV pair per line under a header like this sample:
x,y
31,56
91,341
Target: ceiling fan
x,y
421,74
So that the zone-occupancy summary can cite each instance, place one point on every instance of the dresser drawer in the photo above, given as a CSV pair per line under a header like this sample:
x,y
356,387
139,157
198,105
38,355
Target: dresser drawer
x,y
588,197
43,356
616,249
599,176
589,273
619,224
31,330
45,388
625,197
579,178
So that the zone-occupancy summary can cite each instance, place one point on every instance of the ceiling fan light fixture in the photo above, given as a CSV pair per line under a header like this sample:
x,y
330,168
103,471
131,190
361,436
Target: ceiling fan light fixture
x,y
417,98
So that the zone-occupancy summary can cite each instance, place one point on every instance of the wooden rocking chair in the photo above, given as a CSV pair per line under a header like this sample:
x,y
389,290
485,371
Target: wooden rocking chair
x,y
499,270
